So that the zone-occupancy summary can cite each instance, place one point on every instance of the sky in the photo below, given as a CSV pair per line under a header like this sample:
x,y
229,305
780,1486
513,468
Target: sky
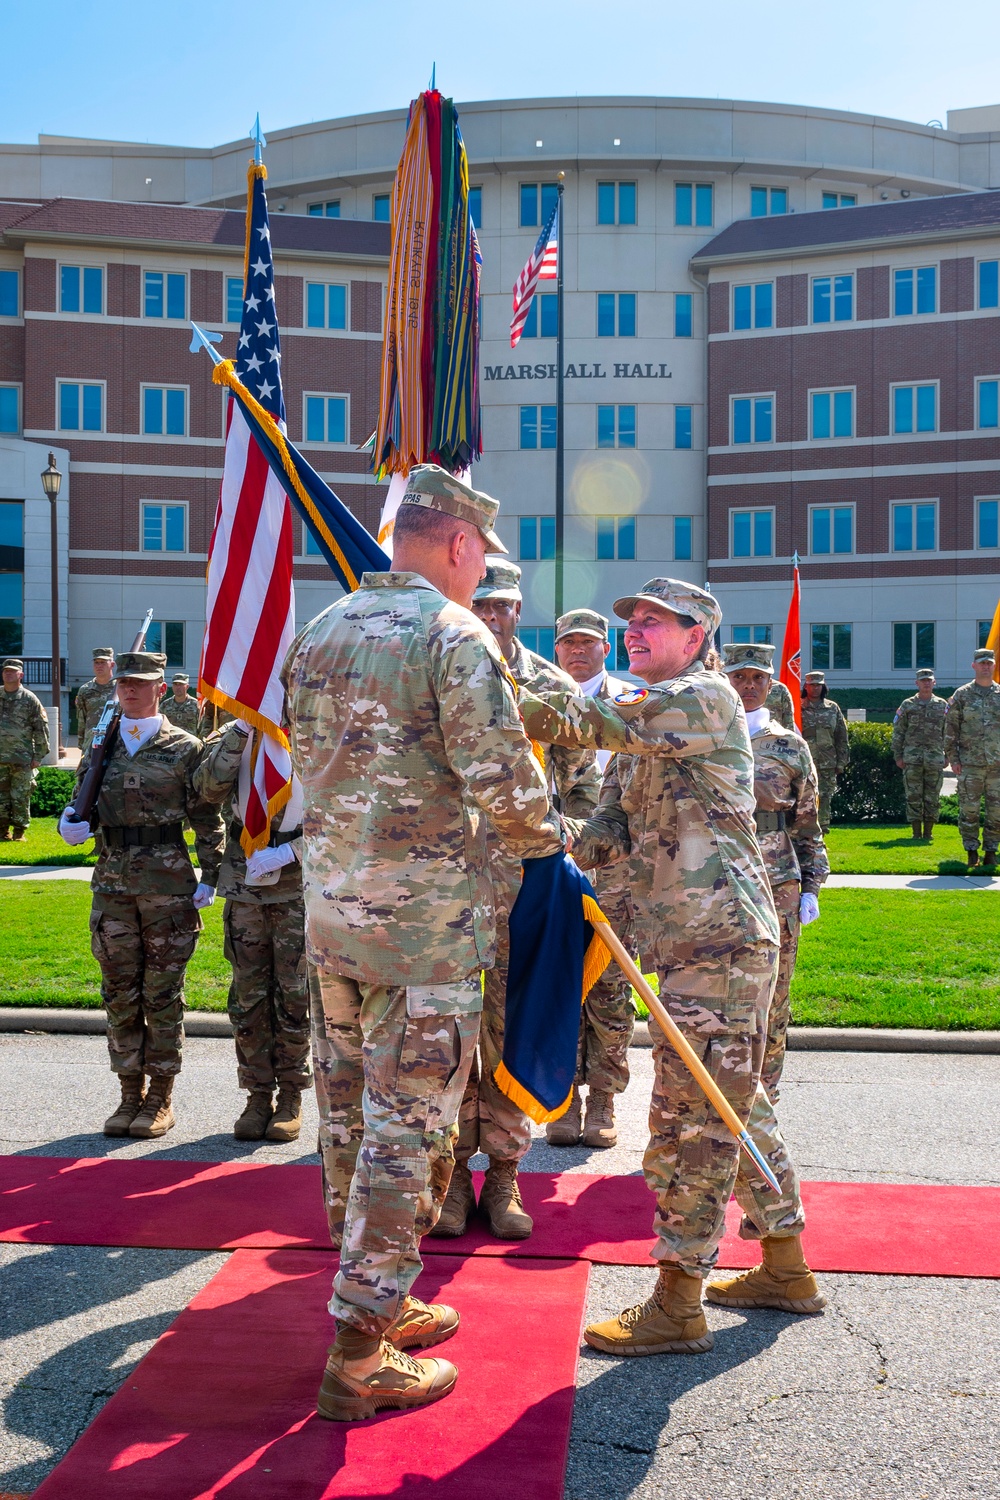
x,y
195,72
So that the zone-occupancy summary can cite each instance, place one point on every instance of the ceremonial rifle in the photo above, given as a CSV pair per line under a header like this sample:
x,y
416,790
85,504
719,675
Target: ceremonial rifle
x,y
85,802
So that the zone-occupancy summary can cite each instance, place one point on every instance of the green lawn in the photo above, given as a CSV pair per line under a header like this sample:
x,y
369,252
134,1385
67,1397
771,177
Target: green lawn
x,y
873,849
45,847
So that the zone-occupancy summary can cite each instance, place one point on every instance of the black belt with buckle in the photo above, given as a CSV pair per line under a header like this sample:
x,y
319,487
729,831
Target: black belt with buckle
x,y
274,842
769,822
143,838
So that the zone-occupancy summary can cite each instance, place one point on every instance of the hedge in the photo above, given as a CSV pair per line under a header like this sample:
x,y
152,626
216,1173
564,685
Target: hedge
x,y
871,789
52,791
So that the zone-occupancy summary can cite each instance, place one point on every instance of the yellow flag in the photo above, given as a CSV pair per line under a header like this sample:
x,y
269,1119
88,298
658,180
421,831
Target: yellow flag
x,y
993,644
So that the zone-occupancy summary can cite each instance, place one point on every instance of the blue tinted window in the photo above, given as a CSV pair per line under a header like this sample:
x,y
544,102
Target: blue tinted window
x,y
682,538
546,538
626,426
741,421
915,291
8,294
549,314
924,527
152,529
682,426
9,419
605,538
605,427
605,206
332,210
529,203
315,305
822,299
902,647
758,202
69,407
742,533
315,419
69,289
174,527
550,197
527,534
626,315
529,427
548,426
820,530
830,201
175,413
703,204
924,632
153,302
843,529
683,203
315,210
152,410
234,299
682,315
762,533
530,329
926,408
476,206
763,298
605,315
176,295
311,547
843,299
989,283
91,408
11,523
779,200
627,203
762,421
903,293
902,528
338,307
742,306
902,409
336,420
820,641
821,414
927,289
93,289
381,208
989,523
626,536
843,414
989,411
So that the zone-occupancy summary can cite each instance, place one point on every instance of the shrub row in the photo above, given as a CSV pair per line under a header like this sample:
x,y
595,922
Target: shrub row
x,y
52,791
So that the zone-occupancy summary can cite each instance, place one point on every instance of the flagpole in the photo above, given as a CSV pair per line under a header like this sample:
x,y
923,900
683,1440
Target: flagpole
x,y
560,436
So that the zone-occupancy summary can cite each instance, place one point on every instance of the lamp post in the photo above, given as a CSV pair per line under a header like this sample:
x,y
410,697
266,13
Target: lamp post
x,y
51,480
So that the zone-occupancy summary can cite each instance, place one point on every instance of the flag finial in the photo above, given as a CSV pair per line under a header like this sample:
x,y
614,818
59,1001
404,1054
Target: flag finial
x,y
434,68
795,559
200,339
258,141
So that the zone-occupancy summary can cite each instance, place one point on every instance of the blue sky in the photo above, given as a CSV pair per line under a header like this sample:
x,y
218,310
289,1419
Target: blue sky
x,y
192,72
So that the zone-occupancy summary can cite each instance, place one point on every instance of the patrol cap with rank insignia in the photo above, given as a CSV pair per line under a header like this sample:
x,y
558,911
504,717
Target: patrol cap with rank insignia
x,y
181,677
102,653
743,656
144,666
815,677
435,489
925,675
502,580
680,598
582,622
15,663
985,653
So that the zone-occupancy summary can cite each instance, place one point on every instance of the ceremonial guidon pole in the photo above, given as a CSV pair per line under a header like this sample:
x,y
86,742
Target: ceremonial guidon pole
x,y
560,430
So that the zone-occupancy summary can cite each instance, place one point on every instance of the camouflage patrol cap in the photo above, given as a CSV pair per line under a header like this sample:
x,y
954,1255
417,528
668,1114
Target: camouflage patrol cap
x,y
103,653
755,658
434,488
985,653
682,598
15,662
181,677
925,675
815,677
582,622
501,581
144,666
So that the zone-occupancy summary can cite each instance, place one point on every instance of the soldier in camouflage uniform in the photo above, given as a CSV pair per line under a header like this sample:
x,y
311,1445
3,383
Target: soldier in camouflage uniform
x,y
824,730
972,745
488,1121
706,923
779,703
918,750
24,744
264,923
146,912
408,743
93,695
788,832
212,717
180,708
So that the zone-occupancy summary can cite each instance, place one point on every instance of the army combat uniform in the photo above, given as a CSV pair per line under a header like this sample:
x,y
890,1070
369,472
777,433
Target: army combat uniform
x,y
972,740
918,741
185,715
779,704
90,701
824,730
24,743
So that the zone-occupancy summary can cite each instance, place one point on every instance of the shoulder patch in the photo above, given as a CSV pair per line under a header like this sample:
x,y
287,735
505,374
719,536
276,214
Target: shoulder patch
x,y
631,696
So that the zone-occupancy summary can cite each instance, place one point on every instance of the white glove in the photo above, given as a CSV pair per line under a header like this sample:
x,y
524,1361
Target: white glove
x,y
268,862
73,833
203,896
808,908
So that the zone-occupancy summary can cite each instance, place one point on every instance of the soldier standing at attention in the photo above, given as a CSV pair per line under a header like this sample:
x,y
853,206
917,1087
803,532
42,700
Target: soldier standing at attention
x,y
825,732
93,695
706,923
147,906
608,1019
181,709
264,924
407,740
212,718
24,744
788,832
918,750
779,703
972,745
488,1121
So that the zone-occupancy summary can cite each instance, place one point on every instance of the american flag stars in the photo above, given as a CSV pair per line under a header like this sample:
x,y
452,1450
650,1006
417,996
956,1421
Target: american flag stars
x,y
258,358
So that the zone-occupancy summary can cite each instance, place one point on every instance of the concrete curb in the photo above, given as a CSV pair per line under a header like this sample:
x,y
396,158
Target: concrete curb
x,y
92,1022
870,1039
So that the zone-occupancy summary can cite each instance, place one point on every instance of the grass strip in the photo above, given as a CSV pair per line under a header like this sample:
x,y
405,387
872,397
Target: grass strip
x,y
874,849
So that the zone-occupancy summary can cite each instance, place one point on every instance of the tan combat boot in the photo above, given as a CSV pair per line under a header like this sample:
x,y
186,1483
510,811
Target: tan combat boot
x,y
255,1118
5,833
132,1101
566,1130
500,1203
419,1325
915,830
287,1119
599,1128
398,1383
783,1280
459,1205
972,858
928,831
20,835
156,1117
671,1322
989,856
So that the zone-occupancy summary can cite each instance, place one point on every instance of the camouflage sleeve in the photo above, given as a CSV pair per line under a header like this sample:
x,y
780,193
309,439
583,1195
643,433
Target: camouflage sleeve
x,y
660,724
39,734
899,732
206,820
804,830
953,730
577,779
841,742
218,770
81,712
603,838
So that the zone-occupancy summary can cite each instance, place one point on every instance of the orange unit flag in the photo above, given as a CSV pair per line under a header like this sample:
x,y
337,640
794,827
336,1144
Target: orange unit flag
x,y
791,652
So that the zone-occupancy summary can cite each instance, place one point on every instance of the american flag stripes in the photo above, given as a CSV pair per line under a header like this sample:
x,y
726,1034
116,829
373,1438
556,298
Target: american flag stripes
x,y
542,264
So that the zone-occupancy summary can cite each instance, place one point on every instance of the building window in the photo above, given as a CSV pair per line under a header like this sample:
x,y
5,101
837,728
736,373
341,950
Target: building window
x,y
168,636
615,538
831,647
832,299
81,289
912,645
616,427
310,546
12,578
476,207
752,533
326,305
616,315
538,199
234,299
682,315
165,294
831,529
753,419
989,283
987,393
694,204
164,527
536,538
914,408
538,426
616,203
619,655
914,526
765,201
752,635
326,419
831,414
988,523
840,200
538,638
914,291
753,306
324,210
683,426
164,410
683,538
10,301
10,409
547,318
381,207
983,628
81,407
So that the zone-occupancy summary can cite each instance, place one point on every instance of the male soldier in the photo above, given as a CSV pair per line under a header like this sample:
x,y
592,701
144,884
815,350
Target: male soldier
x,y
608,1020
407,740
788,832
918,750
24,744
147,906
488,1121
706,923
825,732
264,924
779,702
972,745
93,695
180,708
212,718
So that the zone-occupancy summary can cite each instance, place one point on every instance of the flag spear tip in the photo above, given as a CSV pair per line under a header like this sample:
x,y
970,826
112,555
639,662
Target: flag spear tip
x,y
258,140
434,75
202,340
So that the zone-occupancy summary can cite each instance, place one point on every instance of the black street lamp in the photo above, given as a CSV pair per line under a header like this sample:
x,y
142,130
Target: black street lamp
x,y
51,480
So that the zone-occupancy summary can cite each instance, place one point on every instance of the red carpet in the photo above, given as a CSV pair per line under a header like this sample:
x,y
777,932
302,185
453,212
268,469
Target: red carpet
x,y
863,1227
222,1408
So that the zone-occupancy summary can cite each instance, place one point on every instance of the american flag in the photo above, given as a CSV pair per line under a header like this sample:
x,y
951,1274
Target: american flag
x,y
542,265
251,610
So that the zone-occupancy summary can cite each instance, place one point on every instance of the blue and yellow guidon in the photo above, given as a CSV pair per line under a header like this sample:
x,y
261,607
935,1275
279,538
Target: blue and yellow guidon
x,y
632,696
